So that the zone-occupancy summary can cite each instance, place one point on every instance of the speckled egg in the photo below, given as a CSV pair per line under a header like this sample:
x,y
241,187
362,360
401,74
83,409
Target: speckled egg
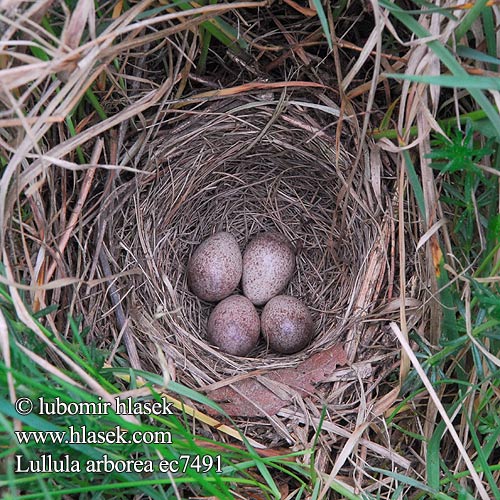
x,y
286,324
268,265
215,267
234,326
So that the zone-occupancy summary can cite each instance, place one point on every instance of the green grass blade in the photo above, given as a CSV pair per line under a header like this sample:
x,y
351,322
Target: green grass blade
x,y
451,81
72,131
221,30
430,8
447,58
449,323
344,492
40,424
96,104
433,466
465,24
490,35
412,482
473,116
206,37
225,33
182,390
476,55
415,183
482,459
324,21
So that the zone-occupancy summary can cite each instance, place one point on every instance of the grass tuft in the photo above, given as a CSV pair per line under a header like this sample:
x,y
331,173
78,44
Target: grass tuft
x,y
85,87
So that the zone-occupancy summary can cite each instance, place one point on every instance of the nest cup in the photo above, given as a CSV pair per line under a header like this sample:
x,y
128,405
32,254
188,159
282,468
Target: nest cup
x,y
246,167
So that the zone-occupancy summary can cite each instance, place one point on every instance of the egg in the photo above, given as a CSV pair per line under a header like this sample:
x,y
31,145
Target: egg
x,y
214,270
234,325
286,324
268,265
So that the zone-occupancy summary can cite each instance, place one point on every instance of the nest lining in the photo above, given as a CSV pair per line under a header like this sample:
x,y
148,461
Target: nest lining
x,y
243,169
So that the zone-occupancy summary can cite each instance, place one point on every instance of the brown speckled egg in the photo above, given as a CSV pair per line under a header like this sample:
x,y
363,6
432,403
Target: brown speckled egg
x,y
268,265
234,325
215,267
286,324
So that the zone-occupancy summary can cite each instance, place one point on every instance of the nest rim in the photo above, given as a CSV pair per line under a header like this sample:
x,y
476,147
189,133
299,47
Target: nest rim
x,y
235,153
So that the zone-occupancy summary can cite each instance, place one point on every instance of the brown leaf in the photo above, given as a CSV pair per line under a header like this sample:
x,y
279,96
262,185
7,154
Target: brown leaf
x,y
267,394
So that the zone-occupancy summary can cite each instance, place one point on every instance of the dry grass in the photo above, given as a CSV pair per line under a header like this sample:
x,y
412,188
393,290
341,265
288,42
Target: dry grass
x,y
175,177
245,166
119,158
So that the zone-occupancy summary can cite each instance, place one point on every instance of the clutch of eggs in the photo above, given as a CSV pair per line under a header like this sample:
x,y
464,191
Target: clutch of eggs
x,y
267,265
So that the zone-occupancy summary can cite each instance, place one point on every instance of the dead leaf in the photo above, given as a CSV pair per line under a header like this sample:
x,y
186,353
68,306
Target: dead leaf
x,y
267,394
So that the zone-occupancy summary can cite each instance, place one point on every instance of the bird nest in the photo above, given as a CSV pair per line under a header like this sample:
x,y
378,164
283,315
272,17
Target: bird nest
x,y
246,167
